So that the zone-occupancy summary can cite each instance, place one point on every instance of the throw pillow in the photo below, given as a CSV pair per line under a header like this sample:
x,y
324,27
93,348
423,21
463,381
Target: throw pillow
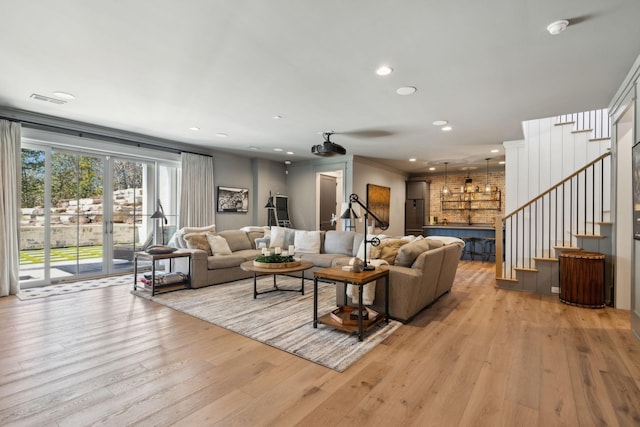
x,y
198,241
408,253
277,237
218,244
387,250
262,241
307,242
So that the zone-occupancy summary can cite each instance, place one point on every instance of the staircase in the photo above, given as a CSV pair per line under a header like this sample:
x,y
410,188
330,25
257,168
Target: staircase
x,y
571,215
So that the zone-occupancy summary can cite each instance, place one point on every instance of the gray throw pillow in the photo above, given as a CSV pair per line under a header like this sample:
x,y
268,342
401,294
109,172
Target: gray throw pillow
x,y
408,253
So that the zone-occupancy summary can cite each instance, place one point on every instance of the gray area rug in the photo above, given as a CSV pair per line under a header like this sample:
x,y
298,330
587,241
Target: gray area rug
x,y
283,320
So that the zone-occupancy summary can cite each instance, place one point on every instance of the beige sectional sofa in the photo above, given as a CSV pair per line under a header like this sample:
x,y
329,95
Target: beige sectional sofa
x,y
335,248
414,287
420,271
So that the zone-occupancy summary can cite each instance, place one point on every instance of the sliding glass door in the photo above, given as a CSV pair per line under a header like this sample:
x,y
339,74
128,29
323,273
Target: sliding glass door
x,y
86,215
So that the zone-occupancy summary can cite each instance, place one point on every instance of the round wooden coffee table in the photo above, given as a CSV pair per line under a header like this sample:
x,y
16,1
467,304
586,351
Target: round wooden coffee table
x,y
248,266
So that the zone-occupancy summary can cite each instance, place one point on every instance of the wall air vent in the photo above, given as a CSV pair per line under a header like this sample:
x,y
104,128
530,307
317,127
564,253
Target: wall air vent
x,y
47,99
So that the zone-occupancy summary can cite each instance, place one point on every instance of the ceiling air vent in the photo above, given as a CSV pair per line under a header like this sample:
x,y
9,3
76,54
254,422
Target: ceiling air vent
x,y
47,99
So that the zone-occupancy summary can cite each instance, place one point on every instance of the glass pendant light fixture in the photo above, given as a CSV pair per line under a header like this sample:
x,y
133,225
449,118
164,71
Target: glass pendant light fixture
x,y
445,189
487,187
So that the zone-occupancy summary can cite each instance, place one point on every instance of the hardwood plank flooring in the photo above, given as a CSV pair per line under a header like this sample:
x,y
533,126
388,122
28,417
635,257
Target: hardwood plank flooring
x,y
480,356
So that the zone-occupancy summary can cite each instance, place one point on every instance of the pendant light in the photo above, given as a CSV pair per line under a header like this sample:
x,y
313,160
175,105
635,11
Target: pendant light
x,y
487,187
445,189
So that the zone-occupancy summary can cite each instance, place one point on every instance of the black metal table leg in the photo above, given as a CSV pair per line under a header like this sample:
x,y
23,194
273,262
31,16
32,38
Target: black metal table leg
x,y
255,287
360,289
386,300
315,302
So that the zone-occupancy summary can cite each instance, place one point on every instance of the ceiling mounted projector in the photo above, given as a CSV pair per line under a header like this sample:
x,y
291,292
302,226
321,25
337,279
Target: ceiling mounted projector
x,y
328,148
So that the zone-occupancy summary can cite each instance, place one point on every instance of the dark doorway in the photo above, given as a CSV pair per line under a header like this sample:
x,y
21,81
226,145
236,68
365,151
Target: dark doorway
x,y
327,202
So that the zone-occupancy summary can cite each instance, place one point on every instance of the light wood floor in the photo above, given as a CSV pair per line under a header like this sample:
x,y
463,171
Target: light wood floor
x,y
479,357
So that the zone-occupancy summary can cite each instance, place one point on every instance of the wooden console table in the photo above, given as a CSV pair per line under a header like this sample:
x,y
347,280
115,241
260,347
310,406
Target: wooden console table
x,y
357,279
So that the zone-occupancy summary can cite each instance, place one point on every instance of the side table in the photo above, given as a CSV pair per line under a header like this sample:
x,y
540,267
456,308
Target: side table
x,y
357,279
156,257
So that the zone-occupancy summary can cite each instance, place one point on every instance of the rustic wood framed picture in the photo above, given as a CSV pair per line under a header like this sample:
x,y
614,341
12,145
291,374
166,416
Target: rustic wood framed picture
x,y
379,202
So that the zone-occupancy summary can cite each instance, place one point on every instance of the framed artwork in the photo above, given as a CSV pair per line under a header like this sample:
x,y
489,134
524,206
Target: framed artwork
x,y
232,199
379,201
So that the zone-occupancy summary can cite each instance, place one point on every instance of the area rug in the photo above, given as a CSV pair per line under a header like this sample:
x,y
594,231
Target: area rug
x,y
70,287
283,320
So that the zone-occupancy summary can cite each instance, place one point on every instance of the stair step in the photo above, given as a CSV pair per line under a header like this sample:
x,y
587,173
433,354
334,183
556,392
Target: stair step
x,y
566,248
599,139
582,131
523,269
590,236
539,259
564,123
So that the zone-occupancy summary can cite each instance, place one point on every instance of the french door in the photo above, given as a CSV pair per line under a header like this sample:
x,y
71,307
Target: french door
x,y
85,215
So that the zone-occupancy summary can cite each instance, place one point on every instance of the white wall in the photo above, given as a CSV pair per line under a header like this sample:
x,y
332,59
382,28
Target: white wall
x,y
548,154
368,172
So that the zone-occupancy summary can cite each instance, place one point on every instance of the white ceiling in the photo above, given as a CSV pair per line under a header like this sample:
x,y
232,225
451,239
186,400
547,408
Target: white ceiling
x,y
160,67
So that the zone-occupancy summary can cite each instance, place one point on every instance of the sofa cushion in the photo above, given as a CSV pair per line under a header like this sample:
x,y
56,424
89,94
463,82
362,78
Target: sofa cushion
x,y
198,241
218,245
338,242
321,260
307,242
447,240
237,240
224,261
387,250
408,253
248,254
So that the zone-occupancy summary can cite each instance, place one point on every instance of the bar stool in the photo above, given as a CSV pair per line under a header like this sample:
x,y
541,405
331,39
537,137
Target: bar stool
x,y
489,249
469,246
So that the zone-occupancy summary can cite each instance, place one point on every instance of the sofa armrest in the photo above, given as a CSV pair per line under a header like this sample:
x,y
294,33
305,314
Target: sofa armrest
x,y
199,268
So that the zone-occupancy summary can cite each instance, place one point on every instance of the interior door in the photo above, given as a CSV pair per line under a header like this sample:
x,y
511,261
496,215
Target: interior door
x,y
328,205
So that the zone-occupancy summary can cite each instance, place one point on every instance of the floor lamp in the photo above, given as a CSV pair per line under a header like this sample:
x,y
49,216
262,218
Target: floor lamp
x,y
269,206
353,198
159,214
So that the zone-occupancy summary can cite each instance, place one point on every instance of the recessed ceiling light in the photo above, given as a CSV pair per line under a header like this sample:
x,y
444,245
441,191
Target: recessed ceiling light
x,y
221,135
446,128
277,117
64,95
502,162
194,128
495,150
557,27
290,153
432,168
440,122
412,159
384,70
278,149
406,90
253,148
287,162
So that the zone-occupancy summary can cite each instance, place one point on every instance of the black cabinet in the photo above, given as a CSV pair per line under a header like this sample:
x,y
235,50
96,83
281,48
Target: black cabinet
x,y
416,208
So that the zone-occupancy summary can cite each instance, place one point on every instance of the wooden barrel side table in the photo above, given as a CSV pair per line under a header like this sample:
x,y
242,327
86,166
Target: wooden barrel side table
x,y
582,279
